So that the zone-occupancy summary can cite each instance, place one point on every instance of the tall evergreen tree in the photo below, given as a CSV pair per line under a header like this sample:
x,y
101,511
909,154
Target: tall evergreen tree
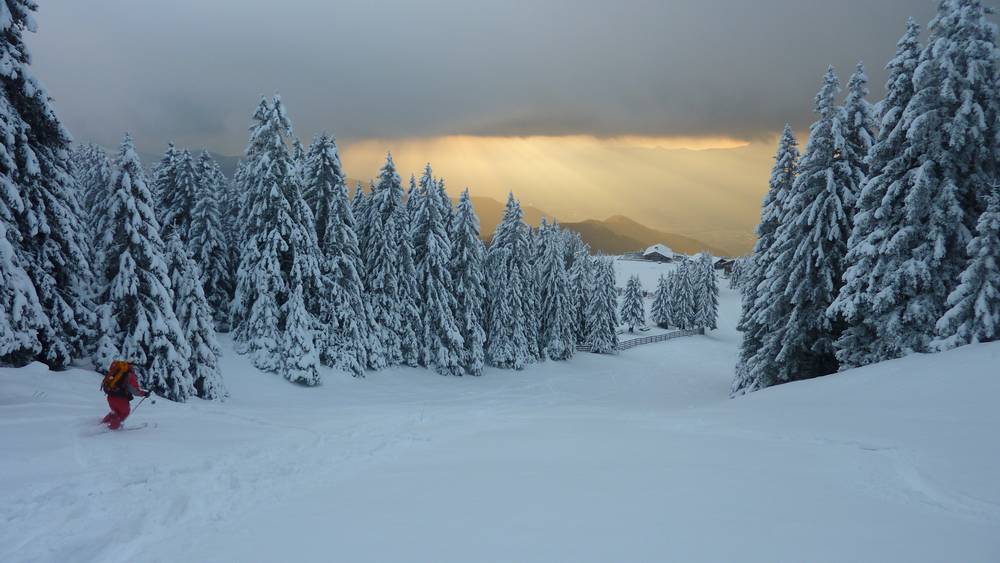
x,y
859,125
208,245
507,344
602,310
163,176
383,250
195,317
278,249
92,172
932,189
581,279
136,298
322,173
45,231
974,306
708,294
633,309
557,311
753,323
442,339
345,318
812,244
684,298
873,298
467,262
662,310
178,200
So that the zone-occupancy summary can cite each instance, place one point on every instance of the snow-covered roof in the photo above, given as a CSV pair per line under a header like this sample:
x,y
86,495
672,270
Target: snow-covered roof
x,y
659,249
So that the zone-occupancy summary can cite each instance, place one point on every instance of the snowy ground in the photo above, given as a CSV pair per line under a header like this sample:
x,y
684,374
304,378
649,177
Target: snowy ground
x,y
639,457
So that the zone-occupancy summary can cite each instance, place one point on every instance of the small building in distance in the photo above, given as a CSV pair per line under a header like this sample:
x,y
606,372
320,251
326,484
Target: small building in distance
x,y
659,253
725,264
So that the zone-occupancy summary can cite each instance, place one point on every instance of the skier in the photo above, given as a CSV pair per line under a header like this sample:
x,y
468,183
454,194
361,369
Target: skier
x,y
120,384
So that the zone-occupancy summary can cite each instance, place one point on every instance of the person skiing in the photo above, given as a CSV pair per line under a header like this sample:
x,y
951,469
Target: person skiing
x,y
120,385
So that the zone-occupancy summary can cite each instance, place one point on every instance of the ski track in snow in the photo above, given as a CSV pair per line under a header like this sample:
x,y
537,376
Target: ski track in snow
x,y
634,457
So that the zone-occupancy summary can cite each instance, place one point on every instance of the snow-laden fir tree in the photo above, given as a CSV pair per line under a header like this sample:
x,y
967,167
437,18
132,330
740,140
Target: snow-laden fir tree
x,y
507,258
360,209
195,317
602,310
581,281
21,314
163,176
859,125
410,299
812,244
298,342
633,308
137,303
923,206
47,233
92,172
974,306
209,246
683,298
662,310
752,322
878,280
708,292
321,174
177,200
442,338
345,337
557,306
278,248
383,249
468,255
533,297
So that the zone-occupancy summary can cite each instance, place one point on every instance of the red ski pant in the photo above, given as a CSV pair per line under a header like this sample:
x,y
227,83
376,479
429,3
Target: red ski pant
x,y
119,411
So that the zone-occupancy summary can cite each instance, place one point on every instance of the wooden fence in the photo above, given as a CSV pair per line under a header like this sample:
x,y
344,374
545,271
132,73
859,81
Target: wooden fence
x,y
633,342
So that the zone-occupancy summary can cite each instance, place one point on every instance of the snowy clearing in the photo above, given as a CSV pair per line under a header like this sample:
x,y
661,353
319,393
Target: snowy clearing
x,y
638,457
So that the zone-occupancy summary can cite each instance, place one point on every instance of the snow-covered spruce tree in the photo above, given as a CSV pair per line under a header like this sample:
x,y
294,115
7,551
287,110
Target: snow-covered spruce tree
x,y
557,310
633,309
177,200
532,294
442,338
45,230
918,213
683,302
880,228
708,294
410,300
974,306
92,172
507,343
21,314
209,245
468,255
382,251
278,248
360,210
137,303
163,176
345,338
321,174
602,310
752,323
661,311
859,125
812,244
298,342
195,317
581,281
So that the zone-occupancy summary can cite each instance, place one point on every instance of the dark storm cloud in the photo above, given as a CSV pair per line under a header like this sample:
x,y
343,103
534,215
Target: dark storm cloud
x,y
192,70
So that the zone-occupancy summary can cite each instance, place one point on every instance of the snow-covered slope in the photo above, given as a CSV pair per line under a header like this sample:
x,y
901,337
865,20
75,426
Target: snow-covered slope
x,y
638,457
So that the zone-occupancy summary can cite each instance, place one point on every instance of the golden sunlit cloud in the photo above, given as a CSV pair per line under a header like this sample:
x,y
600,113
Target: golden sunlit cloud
x,y
708,187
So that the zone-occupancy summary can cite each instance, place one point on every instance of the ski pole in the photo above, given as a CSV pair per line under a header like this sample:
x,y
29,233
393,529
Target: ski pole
x,y
138,405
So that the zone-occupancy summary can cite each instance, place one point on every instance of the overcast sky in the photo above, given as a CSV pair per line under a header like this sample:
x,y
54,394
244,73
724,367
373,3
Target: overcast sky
x,y
192,70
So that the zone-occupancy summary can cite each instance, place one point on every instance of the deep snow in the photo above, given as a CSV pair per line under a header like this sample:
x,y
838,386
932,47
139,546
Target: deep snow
x,y
639,457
